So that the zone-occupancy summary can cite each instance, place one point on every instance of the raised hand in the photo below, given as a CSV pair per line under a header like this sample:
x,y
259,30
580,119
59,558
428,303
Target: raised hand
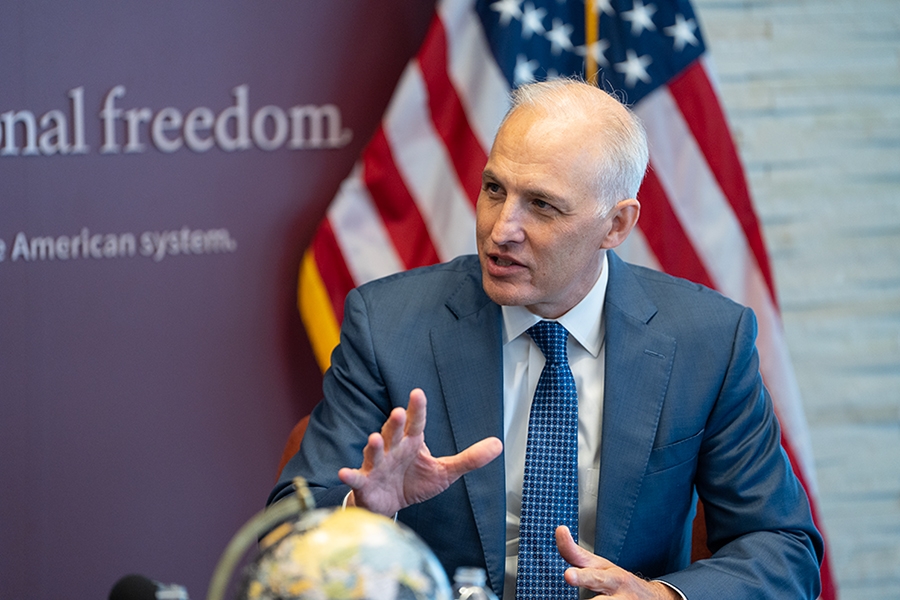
x,y
603,577
398,470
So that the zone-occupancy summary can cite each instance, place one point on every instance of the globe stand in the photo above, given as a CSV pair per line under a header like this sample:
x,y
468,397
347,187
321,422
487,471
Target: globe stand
x,y
260,524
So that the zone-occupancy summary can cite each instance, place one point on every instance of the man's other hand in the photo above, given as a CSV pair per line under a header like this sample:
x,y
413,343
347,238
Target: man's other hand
x,y
398,470
603,577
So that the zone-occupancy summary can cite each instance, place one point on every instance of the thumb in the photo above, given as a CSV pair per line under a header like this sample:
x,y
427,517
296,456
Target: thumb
x,y
571,552
474,457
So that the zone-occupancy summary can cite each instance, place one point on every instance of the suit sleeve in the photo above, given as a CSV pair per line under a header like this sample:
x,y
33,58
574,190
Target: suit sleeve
x,y
355,404
758,518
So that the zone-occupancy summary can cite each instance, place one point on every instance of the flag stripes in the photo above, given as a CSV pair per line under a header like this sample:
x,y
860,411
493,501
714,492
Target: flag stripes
x,y
698,103
704,212
476,78
427,169
395,205
450,120
363,242
665,236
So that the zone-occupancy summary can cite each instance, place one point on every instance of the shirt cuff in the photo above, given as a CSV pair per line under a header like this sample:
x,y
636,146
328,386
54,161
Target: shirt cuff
x,y
670,586
347,497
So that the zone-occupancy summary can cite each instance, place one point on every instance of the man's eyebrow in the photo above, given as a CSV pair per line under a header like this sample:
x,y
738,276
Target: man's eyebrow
x,y
488,175
542,194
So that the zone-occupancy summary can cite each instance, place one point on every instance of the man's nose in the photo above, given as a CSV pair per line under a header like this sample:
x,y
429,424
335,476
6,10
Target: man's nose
x,y
508,226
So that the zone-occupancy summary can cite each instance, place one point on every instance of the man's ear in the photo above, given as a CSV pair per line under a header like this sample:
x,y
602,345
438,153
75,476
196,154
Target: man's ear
x,y
622,219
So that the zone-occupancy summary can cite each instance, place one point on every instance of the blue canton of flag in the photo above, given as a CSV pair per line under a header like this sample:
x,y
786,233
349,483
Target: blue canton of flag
x,y
640,46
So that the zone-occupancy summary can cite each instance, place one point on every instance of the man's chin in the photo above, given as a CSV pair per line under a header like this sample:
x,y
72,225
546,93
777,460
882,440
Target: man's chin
x,y
504,293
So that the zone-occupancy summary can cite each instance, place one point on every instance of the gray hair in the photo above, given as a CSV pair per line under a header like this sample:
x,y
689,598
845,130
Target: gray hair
x,y
622,163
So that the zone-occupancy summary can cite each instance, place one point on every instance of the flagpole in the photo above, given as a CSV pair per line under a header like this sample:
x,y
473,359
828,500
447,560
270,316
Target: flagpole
x,y
591,37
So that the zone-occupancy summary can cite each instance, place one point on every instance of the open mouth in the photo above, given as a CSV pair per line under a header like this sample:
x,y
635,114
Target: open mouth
x,y
504,262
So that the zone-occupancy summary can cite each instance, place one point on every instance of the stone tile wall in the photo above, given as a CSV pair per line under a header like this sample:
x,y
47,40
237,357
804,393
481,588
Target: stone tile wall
x,y
812,91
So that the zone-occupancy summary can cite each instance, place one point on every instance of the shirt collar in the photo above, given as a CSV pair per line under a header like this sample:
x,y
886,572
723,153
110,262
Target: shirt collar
x,y
584,321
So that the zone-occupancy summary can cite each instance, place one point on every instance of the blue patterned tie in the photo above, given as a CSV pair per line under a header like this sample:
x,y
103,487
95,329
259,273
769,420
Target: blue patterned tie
x,y
550,487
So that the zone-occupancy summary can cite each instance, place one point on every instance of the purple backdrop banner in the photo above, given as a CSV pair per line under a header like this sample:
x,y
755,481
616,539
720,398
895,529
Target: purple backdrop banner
x,y
162,167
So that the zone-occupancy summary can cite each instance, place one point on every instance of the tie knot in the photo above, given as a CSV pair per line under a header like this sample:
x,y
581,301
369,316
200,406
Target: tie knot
x,y
550,337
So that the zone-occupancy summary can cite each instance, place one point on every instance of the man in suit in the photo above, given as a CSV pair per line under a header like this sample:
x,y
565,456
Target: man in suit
x,y
670,403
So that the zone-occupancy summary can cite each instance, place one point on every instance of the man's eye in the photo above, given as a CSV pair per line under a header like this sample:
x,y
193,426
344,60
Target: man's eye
x,y
541,204
491,188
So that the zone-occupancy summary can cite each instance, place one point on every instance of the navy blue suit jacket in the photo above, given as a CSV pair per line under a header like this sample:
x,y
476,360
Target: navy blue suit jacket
x,y
685,415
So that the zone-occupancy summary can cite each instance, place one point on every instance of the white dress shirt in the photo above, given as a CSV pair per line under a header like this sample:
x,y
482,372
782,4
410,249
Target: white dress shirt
x,y
522,366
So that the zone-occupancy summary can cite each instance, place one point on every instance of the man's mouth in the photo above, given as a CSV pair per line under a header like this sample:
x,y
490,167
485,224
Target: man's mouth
x,y
503,262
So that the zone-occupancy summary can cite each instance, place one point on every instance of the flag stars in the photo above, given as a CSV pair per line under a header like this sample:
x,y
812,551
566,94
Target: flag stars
x,y
559,37
508,9
524,71
682,32
597,51
604,6
640,17
532,21
634,68
540,42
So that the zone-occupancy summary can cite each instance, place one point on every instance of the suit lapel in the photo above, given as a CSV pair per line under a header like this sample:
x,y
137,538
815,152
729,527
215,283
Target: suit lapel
x,y
638,365
468,357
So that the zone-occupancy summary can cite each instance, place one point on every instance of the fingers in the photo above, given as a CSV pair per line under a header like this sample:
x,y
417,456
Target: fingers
x,y
398,469
405,423
574,554
474,457
599,575
372,455
351,477
373,451
415,413
567,547
392,430
605,582
588,570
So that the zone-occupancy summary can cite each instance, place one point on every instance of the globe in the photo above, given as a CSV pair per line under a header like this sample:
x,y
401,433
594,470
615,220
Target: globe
x,y
348,554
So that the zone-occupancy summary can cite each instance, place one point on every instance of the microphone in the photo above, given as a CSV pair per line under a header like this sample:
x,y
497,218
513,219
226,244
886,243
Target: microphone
x,y
138,587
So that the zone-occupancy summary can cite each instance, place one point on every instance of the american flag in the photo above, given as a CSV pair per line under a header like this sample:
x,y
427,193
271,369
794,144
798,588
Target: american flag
x,y
409,200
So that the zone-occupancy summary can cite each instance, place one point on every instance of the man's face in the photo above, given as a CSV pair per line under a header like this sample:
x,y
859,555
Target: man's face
x,y
540,237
